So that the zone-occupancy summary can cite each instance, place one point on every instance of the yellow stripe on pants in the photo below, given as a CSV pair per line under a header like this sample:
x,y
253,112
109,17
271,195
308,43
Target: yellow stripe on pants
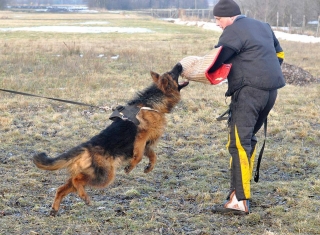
x,y
244,165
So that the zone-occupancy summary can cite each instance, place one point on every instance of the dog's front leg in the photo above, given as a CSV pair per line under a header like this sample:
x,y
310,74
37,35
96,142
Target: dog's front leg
x,y
152,159
138,150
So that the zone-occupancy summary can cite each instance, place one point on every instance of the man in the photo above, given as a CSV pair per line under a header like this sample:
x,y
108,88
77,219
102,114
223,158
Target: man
x,y
256,55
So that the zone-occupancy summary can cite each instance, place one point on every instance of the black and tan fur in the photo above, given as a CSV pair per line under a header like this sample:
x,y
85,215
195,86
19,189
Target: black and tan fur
x,y
95,162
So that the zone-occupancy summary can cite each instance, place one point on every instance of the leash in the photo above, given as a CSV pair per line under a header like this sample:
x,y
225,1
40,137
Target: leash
x,y
222,116
56,99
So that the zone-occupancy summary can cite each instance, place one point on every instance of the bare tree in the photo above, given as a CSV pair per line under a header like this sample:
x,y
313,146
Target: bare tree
x,y
3,4
142,4
289,11
97,3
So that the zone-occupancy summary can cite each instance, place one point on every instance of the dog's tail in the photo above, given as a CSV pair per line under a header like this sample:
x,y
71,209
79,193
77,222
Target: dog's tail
x,y
44,162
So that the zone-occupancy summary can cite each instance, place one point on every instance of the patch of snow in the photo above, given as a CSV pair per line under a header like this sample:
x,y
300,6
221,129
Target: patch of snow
x,y
296,37
88,11
94,22
115,57
279,34
314,22
79,29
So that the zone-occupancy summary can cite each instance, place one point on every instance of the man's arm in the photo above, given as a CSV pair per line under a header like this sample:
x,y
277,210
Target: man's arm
x,y
225,54
279,51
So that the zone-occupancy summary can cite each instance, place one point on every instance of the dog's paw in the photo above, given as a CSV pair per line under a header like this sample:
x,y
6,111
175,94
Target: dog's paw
x,y
53,212
128,169
87,201
148,168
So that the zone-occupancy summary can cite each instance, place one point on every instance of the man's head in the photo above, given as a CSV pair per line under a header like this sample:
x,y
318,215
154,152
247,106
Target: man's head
x,y
225,12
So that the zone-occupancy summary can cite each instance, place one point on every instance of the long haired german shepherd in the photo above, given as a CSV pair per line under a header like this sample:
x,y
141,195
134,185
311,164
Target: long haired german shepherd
x,y
95,162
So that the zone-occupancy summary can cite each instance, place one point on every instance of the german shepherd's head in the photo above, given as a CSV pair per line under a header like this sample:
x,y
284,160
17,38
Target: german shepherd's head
x,y
164,93
169,81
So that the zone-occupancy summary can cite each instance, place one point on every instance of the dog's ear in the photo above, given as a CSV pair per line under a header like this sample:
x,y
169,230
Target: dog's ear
x,y
155,77
163,84
161,81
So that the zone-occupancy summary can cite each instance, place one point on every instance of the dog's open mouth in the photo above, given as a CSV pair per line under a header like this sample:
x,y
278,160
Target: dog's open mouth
x,y
183,84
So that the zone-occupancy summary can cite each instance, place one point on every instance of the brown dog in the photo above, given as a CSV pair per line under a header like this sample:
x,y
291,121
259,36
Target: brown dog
x,y
133,133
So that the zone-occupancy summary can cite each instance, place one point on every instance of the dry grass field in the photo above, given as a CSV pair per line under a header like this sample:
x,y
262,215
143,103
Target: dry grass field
x,y
192,170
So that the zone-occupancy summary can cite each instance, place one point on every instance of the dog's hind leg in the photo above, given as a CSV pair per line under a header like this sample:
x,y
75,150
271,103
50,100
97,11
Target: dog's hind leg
x,y
152,159
62,191
74,184
109,178
138,150
79,182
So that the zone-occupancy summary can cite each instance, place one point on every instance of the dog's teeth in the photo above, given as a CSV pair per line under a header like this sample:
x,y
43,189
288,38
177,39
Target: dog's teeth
x,y
184,82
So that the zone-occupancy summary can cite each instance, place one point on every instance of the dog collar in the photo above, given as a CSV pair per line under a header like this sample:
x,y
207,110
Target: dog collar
x,y
148,108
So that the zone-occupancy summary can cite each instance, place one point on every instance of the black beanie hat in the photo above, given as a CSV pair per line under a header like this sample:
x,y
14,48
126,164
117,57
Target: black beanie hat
x,y
226,8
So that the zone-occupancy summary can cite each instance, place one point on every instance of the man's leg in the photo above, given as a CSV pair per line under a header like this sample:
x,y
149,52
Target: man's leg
x,y
246,107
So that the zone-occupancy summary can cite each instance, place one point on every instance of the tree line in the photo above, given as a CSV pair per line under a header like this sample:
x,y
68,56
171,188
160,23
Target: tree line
x,y
116,4
282,12
147,4
275,12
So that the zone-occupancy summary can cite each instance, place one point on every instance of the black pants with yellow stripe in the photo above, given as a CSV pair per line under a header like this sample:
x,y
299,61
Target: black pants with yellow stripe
x,y
249,109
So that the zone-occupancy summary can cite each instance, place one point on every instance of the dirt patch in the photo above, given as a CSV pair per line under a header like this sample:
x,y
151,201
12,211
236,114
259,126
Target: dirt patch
x,y
297,76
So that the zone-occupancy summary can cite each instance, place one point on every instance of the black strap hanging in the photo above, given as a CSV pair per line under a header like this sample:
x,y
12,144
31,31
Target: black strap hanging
x,y
256,176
